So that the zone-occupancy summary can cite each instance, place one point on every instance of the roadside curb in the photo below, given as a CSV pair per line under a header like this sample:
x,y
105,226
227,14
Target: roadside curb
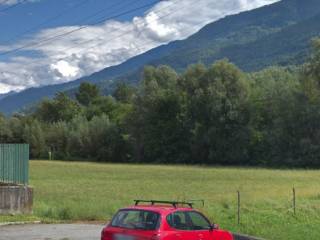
x,y
244,237
18,223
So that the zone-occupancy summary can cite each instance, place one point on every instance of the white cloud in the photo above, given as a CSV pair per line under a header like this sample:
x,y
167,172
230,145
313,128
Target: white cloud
x,y
7,88
12,2
64,69
96,47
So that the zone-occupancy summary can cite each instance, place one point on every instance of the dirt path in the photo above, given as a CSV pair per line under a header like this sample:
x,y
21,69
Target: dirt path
x,y
51,232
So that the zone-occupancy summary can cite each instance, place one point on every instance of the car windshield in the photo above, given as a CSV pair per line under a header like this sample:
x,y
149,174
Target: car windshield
x,y
136,219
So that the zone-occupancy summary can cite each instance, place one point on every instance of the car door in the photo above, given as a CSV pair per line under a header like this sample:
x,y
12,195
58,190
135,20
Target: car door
x,y
178,224
201,227
132,224
149,223
189,225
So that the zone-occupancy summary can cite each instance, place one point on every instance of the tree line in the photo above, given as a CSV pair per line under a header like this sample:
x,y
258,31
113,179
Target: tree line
x,y
215,115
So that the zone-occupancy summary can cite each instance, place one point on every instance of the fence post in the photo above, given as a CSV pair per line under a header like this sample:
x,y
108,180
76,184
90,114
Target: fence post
x,y
239,203
294,200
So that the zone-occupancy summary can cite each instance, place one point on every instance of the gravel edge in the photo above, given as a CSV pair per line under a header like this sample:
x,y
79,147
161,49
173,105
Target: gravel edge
x,y
18,223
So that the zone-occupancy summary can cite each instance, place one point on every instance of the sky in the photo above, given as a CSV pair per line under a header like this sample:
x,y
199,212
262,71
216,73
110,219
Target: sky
x,y
45,42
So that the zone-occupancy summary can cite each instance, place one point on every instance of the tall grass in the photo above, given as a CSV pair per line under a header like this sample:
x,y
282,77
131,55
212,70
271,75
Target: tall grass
x,y
90,191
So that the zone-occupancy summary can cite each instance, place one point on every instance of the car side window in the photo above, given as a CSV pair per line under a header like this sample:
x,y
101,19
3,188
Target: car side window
x,y
188,220
178,220
199,222
136,219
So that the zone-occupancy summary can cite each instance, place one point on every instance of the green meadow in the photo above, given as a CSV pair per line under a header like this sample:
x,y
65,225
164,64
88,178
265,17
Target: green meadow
x,y
73,191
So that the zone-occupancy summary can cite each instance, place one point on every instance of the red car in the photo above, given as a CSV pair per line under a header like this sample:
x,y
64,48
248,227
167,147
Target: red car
x,y
162,220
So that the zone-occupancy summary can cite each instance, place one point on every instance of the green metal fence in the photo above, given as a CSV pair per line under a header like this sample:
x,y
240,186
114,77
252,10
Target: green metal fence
x,y
14,163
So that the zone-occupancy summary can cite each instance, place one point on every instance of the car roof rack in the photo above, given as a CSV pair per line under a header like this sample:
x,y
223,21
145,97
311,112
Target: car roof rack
x,y
173,203
197,200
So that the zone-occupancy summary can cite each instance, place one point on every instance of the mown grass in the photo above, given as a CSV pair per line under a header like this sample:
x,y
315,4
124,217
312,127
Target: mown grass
x,y
89,191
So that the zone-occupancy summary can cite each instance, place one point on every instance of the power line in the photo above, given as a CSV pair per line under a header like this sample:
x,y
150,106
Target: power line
x,y
107,8
90,17
144,43
128,32
63,13
161,17
12,6
78,29
47,21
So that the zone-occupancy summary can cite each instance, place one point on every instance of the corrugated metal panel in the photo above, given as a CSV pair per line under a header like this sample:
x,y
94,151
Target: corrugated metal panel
x,y
14,163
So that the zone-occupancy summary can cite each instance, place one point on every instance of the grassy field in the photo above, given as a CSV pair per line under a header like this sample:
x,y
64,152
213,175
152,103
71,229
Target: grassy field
x,y
89,191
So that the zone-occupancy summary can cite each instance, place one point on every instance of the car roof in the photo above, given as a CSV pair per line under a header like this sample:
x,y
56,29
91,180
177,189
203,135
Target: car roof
x,y
162,209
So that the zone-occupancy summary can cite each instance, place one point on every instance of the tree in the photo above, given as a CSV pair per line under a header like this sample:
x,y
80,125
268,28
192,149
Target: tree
x,y
156,123
61,108
34,136
96,139
5,131
274,104
57,139
306,148
102,105
220,115
16,124
310,77
87,93
162,77
124,93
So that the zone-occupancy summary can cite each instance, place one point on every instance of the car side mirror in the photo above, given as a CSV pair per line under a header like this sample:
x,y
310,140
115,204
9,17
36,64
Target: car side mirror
x,y
214,227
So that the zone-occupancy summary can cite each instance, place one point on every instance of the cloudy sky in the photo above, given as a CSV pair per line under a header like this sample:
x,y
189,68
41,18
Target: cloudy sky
x,y
53,41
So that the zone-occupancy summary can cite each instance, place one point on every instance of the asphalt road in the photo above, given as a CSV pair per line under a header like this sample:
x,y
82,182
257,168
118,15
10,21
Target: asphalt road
x,y
61,232
51,232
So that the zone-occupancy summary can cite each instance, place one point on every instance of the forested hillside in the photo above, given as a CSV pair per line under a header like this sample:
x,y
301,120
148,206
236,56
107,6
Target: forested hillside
x,y
278,34
206,115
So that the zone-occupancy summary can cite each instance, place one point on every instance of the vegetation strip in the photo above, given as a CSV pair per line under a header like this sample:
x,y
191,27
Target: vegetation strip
x,y
18,223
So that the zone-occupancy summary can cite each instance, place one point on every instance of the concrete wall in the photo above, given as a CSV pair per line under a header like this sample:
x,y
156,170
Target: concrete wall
x,y
16,200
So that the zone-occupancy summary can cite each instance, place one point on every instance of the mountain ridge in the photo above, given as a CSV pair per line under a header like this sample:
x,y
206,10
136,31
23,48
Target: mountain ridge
x,y
236,37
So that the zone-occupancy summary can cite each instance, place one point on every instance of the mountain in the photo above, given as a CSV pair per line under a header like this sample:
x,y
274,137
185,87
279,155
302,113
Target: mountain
x,y
277,34
4,95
